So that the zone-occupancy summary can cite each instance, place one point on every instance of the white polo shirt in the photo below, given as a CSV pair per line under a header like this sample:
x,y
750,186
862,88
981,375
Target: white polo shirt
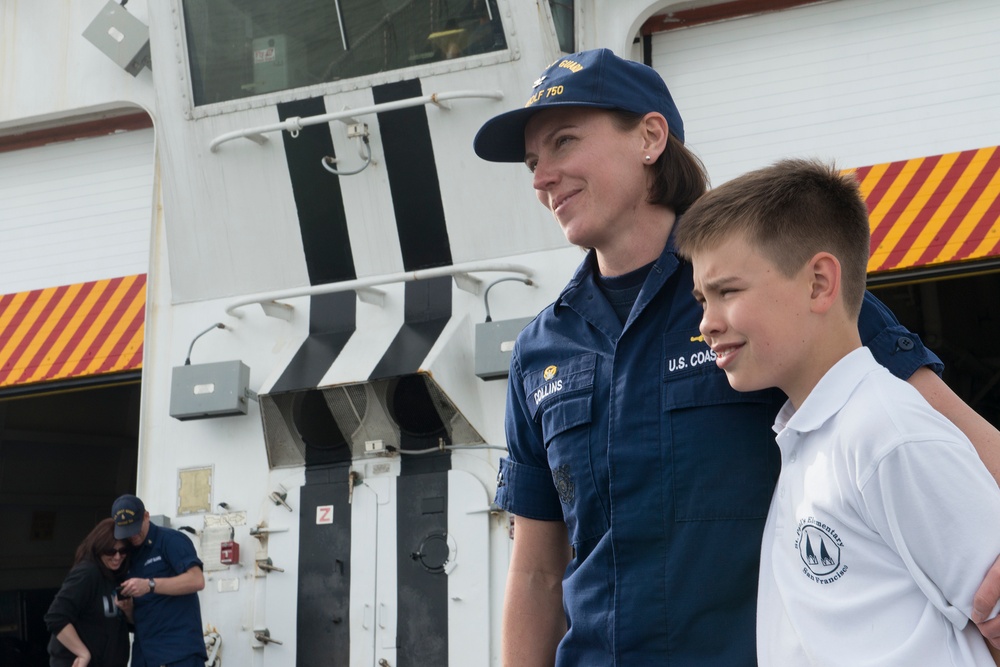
x,y
882,526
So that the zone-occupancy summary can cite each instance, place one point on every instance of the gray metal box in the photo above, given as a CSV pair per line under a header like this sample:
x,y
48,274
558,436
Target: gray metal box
x,y
494,344
120,36
209,390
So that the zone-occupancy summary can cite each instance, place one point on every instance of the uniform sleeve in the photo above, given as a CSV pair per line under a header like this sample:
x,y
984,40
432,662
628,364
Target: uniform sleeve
x,y
180,552
79,587
918,497
893,345
524,484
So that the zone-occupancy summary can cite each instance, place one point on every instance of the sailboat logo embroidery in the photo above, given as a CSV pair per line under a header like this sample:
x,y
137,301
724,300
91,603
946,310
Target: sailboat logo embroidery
x,y
820,549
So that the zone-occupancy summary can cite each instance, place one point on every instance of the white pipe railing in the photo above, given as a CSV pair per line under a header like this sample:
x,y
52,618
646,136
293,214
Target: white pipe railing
x,y
296,123
269,301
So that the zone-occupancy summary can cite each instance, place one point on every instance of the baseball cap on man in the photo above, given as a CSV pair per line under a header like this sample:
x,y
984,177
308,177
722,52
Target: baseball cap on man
x,y
597,79
128,512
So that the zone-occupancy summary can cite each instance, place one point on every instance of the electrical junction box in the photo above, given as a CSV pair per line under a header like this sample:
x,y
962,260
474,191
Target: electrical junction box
x,y
121,37
494,345
203,391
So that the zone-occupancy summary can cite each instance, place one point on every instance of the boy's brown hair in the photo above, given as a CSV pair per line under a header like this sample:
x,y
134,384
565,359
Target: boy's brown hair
x,y
788,211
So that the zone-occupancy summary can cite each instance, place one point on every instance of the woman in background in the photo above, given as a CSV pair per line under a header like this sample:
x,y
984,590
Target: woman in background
x,y
87,626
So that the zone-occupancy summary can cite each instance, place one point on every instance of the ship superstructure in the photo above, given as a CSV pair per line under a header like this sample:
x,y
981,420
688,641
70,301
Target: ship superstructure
x,y
252,271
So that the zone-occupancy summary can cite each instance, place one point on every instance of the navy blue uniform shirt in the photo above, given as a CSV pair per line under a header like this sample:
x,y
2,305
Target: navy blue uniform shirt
x,y
661,471
167,627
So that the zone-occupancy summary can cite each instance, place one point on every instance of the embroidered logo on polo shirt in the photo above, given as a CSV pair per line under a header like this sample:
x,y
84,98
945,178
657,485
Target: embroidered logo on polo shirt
x,y
564,484
821,551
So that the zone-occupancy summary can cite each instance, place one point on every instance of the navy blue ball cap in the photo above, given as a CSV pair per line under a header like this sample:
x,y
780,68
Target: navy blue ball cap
x,y
128,513
597,79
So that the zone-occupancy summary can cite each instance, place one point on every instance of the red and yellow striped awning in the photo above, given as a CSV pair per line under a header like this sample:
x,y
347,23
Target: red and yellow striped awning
x,y
933,210
72,331
924,212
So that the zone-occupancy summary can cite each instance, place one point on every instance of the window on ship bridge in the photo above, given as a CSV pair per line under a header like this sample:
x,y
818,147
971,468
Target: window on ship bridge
x,y
242,48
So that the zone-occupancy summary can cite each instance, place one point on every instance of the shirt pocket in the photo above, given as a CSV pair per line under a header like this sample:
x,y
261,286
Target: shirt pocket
x,y
721,446
560,399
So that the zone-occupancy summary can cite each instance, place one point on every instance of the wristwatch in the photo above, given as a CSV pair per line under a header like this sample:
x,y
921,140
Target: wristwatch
x,y
152,585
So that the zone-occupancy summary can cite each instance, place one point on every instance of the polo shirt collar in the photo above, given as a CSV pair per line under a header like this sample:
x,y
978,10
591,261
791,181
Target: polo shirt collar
x,y
829,395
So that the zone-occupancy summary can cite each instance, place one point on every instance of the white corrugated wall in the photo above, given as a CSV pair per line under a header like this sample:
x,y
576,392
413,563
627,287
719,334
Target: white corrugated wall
x,y
857,81
75,211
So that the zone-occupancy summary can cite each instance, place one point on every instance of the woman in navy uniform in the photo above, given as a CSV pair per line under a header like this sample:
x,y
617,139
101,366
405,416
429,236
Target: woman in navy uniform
x,y
639,479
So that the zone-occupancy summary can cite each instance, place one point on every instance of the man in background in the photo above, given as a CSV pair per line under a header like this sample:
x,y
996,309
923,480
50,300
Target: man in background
x,y
164,578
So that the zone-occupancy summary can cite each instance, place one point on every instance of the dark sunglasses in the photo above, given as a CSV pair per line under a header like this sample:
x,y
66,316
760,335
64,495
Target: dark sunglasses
x,y
121,552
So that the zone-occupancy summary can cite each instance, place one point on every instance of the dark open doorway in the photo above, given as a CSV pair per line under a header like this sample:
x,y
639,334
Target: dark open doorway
x,y
959,318
65,454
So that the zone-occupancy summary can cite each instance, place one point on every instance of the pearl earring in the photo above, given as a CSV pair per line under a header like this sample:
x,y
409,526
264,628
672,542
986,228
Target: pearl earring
x,y
647,158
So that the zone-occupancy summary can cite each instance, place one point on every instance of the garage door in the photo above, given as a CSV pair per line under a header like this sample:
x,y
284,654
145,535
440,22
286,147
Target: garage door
x,y
75,222
904,92
863,82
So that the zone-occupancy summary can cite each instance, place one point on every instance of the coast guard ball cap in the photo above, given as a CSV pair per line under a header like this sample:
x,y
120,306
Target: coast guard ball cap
x,y
597,79
128,512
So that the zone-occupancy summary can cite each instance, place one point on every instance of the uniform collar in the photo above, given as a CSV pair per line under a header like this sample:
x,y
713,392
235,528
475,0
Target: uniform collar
x,y
581,292
150,536
829,395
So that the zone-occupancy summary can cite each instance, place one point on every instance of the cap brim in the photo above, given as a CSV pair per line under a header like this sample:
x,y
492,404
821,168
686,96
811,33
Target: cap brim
x,y
125,532
501,138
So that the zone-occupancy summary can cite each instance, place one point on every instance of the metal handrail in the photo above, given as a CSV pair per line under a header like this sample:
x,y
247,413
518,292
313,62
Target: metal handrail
x,y
458,271
296,123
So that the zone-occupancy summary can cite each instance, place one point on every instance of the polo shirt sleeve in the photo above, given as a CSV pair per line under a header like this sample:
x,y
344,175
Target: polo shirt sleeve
x,y
524,484
893,345
933,502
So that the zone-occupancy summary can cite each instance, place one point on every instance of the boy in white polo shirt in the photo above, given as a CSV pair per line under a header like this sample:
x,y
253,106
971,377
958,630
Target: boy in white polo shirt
x,y
871,554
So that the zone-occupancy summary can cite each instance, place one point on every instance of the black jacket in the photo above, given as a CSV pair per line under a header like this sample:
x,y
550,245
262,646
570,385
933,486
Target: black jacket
x,y
87,600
